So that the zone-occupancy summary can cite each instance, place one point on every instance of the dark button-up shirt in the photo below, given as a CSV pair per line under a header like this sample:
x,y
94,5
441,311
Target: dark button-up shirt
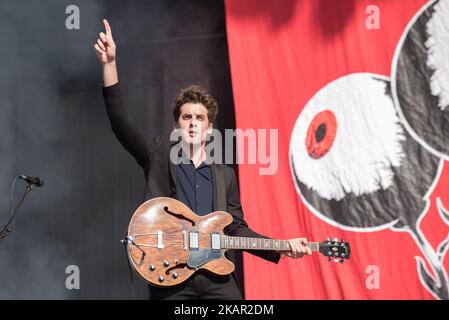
x,y
194,186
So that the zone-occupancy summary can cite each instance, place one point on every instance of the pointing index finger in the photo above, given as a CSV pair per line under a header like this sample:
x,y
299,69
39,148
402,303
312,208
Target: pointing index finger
x,y
107,27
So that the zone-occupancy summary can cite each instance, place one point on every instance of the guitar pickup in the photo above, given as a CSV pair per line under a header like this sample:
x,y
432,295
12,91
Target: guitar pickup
x,y
215,241
194,242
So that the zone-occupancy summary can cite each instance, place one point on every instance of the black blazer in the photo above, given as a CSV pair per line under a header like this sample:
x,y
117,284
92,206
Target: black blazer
x,y
160,173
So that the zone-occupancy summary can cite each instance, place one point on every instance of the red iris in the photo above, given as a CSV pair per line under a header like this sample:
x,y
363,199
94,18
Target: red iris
x,y
321,134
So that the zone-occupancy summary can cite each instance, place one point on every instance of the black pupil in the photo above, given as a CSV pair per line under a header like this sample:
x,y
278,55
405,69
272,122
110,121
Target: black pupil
x,y
320,133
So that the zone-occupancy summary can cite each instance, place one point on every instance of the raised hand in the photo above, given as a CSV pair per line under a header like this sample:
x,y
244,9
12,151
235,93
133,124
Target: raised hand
x,y
105,46
106,53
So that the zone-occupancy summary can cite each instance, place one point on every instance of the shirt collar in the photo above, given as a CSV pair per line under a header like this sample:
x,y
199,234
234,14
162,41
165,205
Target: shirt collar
x,y
186,160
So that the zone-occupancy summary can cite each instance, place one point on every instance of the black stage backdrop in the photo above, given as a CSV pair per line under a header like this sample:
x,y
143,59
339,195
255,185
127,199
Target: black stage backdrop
x,y
53,124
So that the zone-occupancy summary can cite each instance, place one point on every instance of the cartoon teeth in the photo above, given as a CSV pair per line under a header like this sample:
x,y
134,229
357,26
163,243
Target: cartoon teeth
x,y
420,77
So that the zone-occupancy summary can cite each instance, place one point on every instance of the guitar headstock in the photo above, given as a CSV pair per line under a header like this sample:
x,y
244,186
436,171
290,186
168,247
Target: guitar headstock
x,y
334,248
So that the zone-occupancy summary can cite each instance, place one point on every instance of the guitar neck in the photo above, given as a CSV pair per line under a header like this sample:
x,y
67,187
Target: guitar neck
x,y
244,243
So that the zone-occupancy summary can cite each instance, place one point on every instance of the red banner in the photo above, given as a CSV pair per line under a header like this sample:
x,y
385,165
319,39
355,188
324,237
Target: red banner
x,y
356,90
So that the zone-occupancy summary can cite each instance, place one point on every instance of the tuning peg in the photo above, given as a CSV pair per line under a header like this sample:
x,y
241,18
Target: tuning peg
x,y
335,260
336,240
342,260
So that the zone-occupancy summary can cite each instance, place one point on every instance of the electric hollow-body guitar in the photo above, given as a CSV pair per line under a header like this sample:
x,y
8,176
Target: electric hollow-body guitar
x,y
167,242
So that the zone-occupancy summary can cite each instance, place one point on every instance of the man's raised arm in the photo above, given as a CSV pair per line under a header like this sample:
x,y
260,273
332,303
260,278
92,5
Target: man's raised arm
x,y
123,126
106,53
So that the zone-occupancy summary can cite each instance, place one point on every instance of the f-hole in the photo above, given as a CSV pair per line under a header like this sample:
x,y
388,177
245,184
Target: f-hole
x,y
177,215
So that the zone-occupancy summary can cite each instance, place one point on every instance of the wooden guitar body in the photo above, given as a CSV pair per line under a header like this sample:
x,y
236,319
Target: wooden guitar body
x,y
165,229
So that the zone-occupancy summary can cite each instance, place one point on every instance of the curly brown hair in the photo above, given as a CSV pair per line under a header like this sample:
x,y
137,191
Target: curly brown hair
x,y
195,94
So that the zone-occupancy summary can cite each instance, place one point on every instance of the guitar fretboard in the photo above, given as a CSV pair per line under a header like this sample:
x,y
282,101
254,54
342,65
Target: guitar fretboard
x,y
244,243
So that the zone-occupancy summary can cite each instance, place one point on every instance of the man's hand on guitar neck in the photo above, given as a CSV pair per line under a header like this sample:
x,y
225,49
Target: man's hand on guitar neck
x,y
299,248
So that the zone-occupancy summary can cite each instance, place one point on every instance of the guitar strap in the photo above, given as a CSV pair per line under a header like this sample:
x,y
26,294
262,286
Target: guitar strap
x,y
220,201
220,197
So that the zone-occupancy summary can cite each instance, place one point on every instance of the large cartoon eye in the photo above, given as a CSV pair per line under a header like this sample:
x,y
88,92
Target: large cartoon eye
x,y
321,134
347,138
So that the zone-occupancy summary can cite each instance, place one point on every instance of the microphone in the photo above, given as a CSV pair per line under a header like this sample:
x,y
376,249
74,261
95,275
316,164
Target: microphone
x,y
38,182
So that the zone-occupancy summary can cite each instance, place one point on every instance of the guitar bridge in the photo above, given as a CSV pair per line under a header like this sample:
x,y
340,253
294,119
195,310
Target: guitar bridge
x,y
184,240
160,241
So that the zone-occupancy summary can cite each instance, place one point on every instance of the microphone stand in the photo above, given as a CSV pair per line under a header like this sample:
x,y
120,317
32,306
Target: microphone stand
x,y
7,230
